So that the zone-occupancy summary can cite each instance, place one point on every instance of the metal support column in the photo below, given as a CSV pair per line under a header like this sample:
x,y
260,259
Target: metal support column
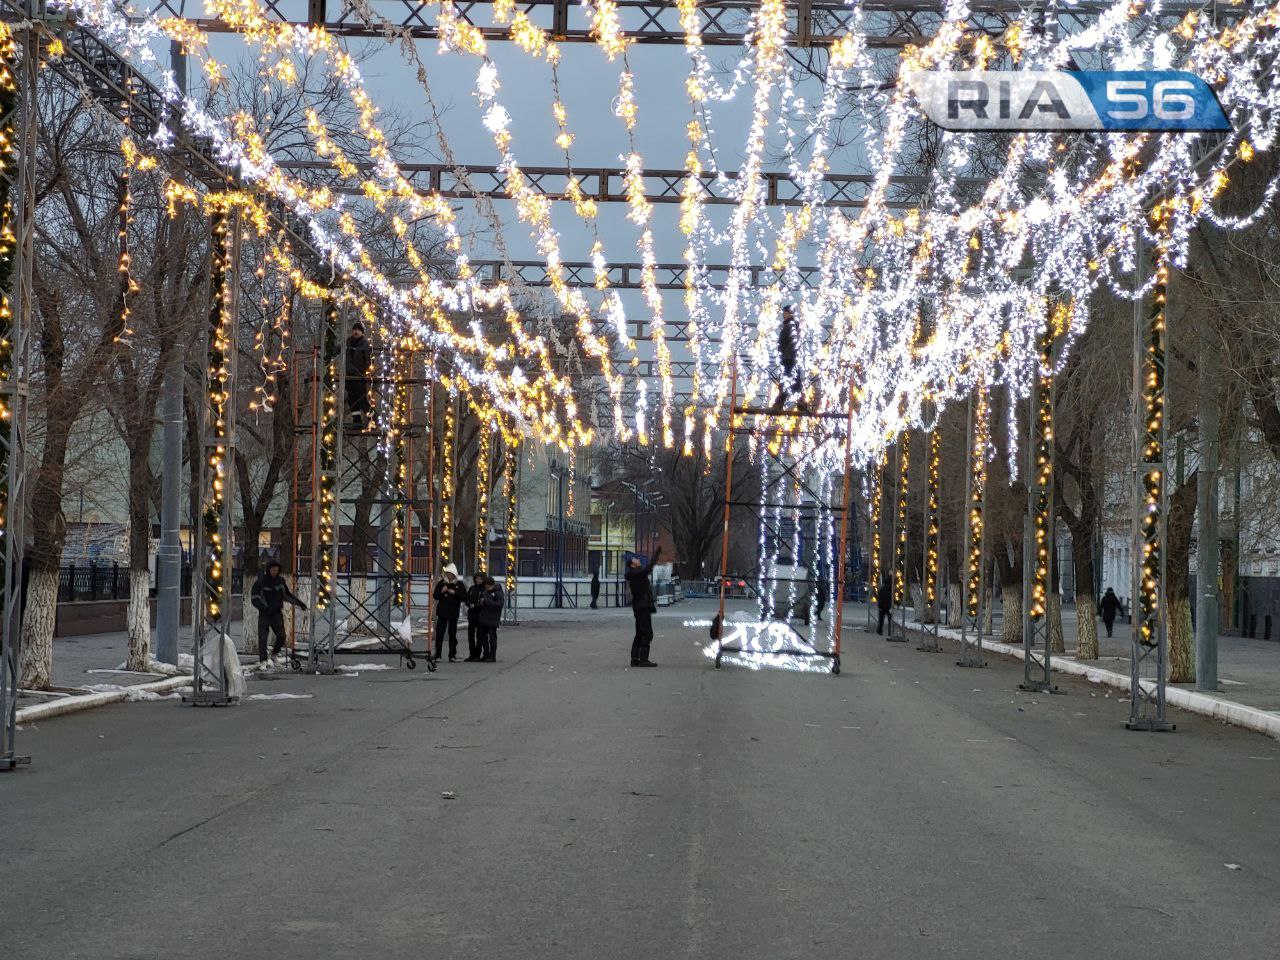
x,y
1038,523
21,121
1207,550
975,532
1150,620
211,587
327,514
728,501
169,554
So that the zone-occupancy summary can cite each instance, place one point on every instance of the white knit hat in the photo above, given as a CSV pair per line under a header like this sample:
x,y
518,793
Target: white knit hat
x,y
450,568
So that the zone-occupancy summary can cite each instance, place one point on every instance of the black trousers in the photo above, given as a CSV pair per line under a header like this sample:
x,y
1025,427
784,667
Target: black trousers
x,y
357,396
270,621
884,615
488,637
450,622
644,636
473,636
1108,623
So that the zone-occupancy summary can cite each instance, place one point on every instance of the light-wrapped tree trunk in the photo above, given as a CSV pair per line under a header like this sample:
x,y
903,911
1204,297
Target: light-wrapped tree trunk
x,y
954,612
248,621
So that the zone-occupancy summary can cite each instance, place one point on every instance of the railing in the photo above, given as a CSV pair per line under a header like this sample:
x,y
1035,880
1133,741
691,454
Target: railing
x,y
110,581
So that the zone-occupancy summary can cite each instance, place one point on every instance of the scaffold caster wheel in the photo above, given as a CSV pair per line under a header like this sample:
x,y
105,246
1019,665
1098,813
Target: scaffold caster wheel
x,y
835,667
410,662
295,664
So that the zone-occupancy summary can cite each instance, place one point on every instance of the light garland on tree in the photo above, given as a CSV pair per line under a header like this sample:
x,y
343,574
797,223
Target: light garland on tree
x,y
931,533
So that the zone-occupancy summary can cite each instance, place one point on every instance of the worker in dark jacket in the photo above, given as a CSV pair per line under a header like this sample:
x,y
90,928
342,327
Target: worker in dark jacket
x,y
595,589
792,389
448,595
491,603
269,595
884,602
474,593
643,607
358,362
1108,607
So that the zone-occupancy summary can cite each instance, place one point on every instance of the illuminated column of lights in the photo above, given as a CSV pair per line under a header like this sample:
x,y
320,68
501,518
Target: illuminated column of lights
x,y
875,482
447,479
127,285
900,523
1041,479
1151,459
931,520
981,438
399,439
484,483
511,455
8,110
219,361
327,458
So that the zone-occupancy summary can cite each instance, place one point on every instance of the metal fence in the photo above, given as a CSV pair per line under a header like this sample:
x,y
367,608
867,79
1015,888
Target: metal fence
x,y
110,581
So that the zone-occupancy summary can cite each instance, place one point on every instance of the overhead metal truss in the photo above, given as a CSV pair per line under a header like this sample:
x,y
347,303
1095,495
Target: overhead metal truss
x,y
887,24
608,184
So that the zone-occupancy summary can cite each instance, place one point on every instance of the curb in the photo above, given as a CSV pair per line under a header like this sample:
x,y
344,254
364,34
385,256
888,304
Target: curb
x,y
1218,708
58,708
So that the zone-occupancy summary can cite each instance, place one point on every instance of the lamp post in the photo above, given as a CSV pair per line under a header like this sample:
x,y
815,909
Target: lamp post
x,y
558,472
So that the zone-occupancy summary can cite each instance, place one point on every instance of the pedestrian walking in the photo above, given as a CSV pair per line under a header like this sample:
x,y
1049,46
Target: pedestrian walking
x,y
268,595
448,594
358,363
643,607
492,601
884,603
474,593
595,588
1108,607
822,597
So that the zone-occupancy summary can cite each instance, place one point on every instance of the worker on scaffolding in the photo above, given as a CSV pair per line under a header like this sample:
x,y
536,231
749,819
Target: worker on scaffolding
x,y
791,390
358,363
643,607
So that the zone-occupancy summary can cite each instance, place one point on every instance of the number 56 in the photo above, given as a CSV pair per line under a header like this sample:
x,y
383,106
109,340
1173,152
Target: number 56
x,y
1170,99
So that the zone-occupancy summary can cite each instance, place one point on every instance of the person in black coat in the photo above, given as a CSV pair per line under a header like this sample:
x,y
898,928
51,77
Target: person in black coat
x,y
884,602
822,597
792,390
473,617
358,363
643,607
1108,607
448,595
268,595
595,588
491,603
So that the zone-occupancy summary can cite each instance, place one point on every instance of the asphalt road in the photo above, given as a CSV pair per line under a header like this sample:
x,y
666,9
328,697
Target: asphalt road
x,y
904,809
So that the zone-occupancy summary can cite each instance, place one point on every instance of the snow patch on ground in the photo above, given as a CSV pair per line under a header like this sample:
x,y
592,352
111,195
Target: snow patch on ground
x,y
355,668
280,696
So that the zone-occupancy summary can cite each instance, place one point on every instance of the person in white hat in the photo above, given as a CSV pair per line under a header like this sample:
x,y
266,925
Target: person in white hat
x,y
448,594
